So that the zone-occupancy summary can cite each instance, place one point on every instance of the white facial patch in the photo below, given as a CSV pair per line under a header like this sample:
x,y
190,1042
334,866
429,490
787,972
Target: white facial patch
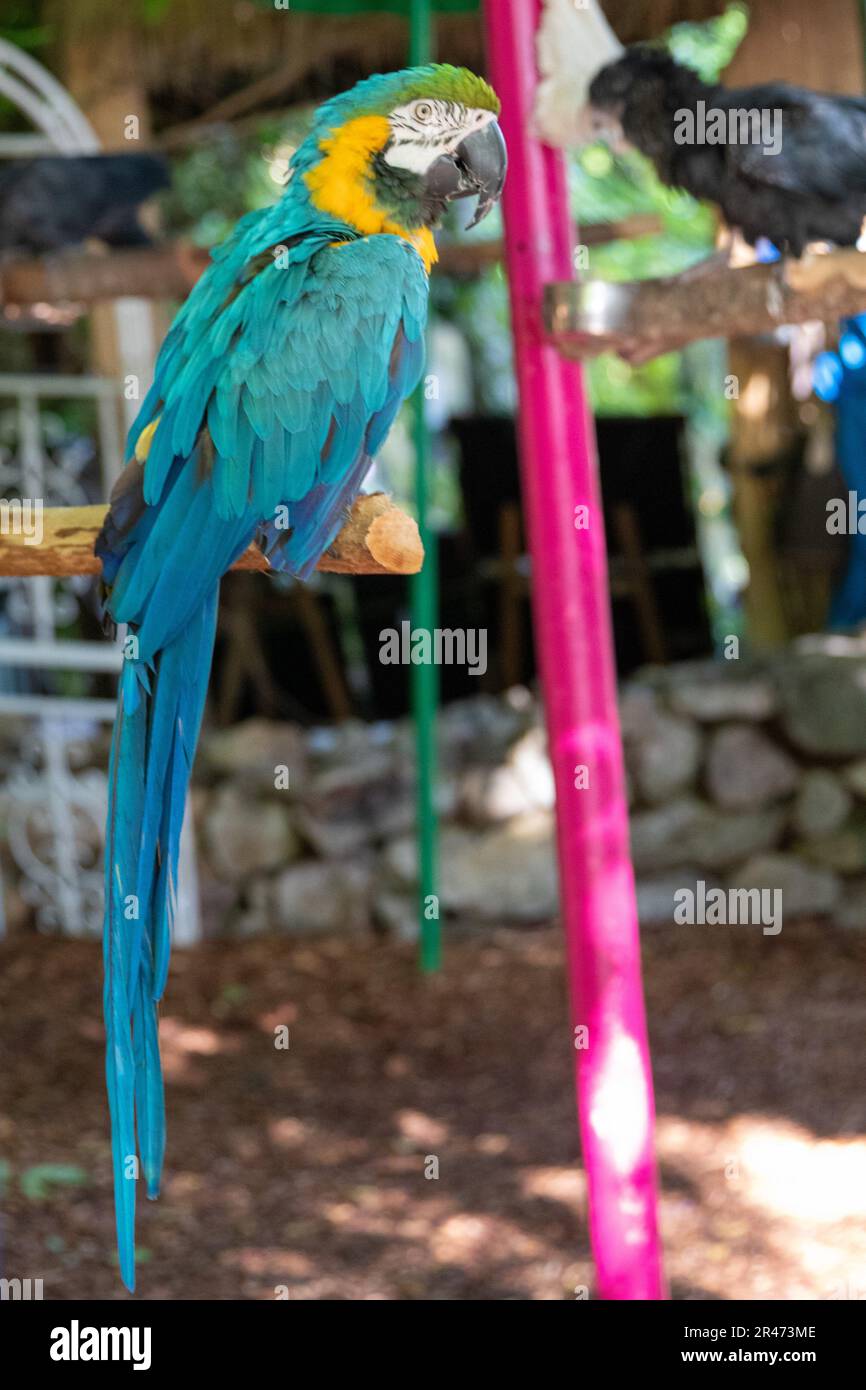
x,y
424,130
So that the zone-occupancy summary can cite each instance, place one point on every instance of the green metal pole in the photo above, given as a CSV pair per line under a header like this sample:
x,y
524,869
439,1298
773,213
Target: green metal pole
x,y
425,597
420,32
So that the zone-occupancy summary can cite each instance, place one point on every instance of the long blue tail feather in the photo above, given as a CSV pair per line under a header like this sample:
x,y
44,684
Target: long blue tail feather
x,y
127,756
149,1098
156,731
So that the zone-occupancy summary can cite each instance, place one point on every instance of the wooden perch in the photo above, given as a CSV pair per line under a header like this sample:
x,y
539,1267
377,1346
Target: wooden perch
x,y
644,318
377,539
464,259
169,269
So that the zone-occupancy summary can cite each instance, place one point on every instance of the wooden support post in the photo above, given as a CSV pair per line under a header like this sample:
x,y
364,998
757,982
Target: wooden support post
x,y
764,426
101,73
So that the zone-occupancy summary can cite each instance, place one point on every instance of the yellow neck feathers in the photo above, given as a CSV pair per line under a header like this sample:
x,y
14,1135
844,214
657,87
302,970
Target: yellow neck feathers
x,y
338,184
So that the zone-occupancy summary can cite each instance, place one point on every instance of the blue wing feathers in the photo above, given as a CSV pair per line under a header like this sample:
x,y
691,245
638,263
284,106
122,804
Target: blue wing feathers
x,y
275,386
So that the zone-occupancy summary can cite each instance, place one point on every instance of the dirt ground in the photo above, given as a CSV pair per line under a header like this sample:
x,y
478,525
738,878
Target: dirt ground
x,y
304,1168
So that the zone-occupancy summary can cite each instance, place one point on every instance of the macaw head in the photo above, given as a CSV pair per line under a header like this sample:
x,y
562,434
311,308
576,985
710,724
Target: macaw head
x,y
390,154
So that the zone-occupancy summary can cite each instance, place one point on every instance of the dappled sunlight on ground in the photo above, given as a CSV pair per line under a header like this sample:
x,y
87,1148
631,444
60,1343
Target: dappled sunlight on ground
x,y
770,1192
416,1138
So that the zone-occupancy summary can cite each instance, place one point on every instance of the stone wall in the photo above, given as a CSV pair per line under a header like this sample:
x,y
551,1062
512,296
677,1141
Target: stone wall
x,y
335,850
739,777
752,777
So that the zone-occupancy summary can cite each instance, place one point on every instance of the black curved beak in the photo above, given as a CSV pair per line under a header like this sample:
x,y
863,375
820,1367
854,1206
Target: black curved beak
x,y
477,167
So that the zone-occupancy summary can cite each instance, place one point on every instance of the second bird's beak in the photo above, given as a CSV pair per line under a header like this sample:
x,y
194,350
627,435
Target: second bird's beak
x,y
477,166
595,123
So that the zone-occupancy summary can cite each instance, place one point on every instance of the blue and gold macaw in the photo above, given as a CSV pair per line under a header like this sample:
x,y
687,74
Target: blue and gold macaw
x,y
276,385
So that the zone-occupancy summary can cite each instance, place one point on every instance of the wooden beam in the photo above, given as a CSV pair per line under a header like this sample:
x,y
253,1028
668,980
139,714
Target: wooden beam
x,y
638,224
377,539
469,258
169,269
644,318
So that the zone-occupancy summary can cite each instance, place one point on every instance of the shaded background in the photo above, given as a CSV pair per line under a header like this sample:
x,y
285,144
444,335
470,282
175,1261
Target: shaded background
x,y
305,1168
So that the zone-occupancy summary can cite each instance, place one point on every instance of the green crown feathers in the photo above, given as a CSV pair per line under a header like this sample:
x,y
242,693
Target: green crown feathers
x,y
381,94
449,84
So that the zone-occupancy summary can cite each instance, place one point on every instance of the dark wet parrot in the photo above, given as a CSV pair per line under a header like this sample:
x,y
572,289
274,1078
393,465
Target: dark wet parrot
x,y
56,201
783,163
277,383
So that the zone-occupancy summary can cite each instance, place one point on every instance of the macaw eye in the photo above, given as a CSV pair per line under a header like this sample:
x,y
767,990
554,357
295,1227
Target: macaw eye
x,y
423,111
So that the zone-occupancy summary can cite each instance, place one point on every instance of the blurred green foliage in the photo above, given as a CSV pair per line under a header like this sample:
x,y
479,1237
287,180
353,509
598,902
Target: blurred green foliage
x,y
37,1183
21,23
709,47
372,6
608,187
235,168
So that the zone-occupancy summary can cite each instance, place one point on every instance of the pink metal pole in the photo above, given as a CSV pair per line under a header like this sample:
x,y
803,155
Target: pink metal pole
x,y
575,650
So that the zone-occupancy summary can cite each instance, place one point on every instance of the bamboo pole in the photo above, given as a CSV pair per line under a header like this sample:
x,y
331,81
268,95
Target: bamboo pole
x,y
377,539
578,677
